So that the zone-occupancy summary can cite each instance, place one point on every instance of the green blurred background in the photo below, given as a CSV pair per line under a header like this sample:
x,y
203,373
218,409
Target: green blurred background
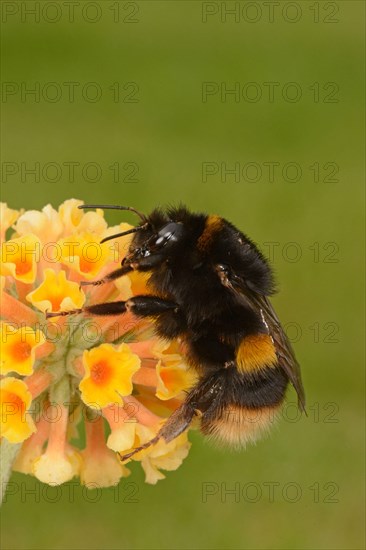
x,y
159,132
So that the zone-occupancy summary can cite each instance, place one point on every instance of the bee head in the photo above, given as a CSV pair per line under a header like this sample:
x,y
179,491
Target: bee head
x,y
150,249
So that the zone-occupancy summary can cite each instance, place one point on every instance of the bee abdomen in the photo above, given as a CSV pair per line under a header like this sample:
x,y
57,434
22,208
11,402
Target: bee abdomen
x,y
256,352
237,426
248,406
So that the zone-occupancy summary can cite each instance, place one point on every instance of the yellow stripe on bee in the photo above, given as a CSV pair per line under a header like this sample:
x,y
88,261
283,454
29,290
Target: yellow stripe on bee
x,y
213,225
256,352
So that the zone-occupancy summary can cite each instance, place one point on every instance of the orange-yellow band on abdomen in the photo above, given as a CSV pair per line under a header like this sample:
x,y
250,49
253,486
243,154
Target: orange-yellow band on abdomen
x,y
256,352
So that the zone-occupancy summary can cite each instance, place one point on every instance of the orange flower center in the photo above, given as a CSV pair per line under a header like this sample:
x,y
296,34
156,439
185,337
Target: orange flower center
x,y
85,265
23,267
100,372
171,378
56,300
18,405
21,351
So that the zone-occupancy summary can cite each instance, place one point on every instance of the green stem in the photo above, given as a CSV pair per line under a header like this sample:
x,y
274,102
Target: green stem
x,y
8,453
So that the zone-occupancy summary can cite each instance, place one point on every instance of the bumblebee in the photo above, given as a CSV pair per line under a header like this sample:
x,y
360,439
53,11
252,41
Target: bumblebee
x,y
210,288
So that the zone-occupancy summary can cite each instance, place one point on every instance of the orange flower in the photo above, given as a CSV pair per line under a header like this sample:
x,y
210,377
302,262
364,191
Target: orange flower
x,y
32,448
56,292
7,217
68,367
17,348
101,466
83,253
60,462
123,427
46,225
173,380
15,399
74,219
19,258
165,456
108,374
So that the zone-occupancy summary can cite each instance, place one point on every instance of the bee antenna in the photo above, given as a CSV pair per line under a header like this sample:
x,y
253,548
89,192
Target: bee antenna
x,y
114,207
117,235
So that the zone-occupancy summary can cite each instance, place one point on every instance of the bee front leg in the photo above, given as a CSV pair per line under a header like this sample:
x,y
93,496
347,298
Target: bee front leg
x,y
141,306
116,274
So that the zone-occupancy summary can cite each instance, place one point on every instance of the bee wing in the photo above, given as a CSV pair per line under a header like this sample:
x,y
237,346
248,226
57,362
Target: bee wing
x,y
284,350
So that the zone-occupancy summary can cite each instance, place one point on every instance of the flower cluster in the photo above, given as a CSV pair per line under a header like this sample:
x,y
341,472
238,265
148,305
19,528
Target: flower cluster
x,y
77,390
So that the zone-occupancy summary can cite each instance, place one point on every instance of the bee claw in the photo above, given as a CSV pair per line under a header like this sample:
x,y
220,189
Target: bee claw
x,y
50,314
91,283
125,457
152,441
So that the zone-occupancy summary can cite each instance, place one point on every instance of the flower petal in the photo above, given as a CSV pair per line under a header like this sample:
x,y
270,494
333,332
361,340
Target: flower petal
x,y
17,348
15,400
83,253
56,293
108,374
46,225
19,258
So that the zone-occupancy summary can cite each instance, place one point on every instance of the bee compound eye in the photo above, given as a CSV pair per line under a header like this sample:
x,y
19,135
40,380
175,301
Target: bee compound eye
x,y
170,234
222,268
162,239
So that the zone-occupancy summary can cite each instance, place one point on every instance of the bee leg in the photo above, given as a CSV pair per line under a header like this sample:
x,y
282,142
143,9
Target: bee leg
x,y
108,308
199,400
150,306
141,306
116,274
174,426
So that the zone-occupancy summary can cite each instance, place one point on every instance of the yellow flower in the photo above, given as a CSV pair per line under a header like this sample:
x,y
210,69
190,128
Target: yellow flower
x,y
100,466
172,380
165,456
15,399
32,448
74,219
71,215
108,374
123,427
172,376
19,258
18,347
56,293
7,218
121,439
121,245
74,366
83,253
55,469
60,462
132,285
46,225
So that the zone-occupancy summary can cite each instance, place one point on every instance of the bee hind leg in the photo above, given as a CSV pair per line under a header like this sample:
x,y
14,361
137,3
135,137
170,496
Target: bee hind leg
x,y
176,424
199,400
